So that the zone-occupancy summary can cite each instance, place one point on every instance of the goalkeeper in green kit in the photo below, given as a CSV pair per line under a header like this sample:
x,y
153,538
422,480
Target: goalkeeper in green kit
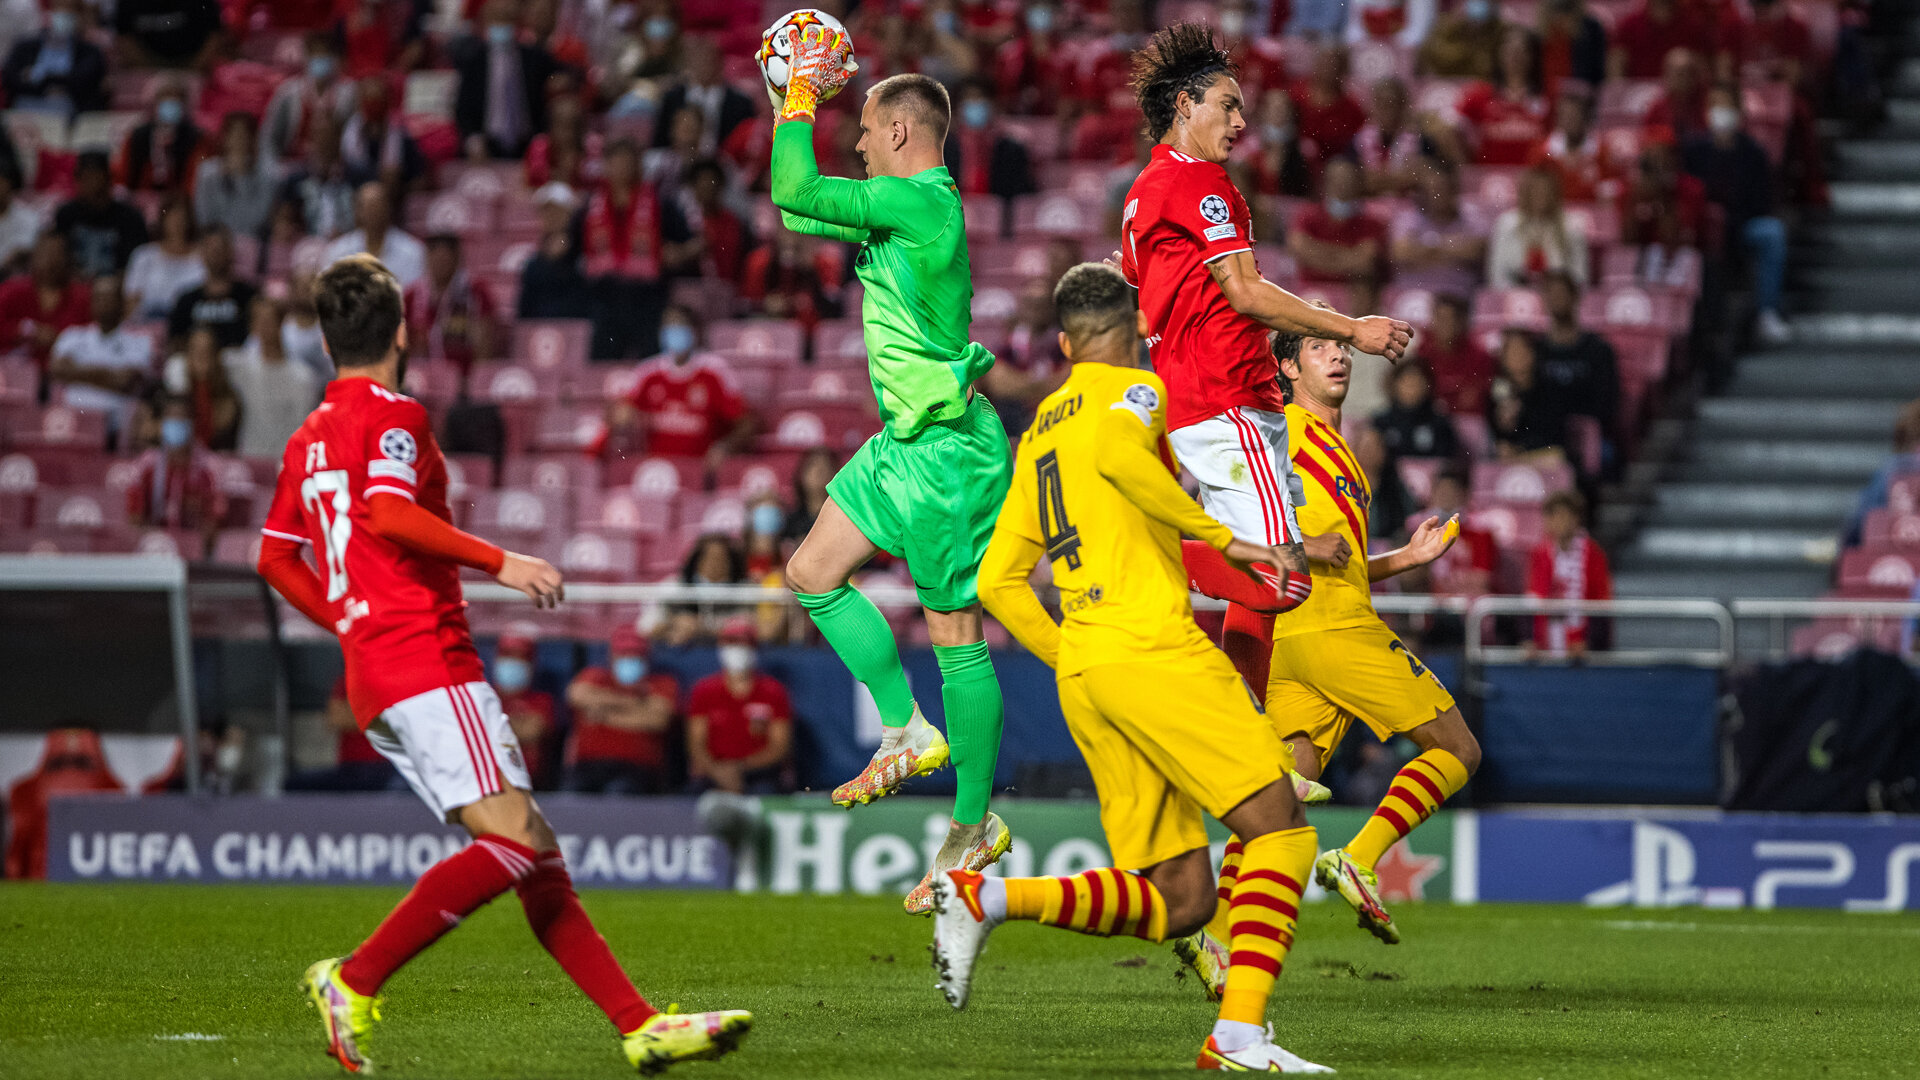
x,y
929,486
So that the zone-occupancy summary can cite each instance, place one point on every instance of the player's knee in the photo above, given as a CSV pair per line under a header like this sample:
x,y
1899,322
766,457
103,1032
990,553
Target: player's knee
x,y
1454,737
1187,913
805,577
1468,751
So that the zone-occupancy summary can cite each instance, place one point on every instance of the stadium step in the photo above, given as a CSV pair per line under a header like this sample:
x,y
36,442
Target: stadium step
x,y
1660,578
1793,505
1858,288
1825,417
1855,243
1670,545
1878,159
1786,460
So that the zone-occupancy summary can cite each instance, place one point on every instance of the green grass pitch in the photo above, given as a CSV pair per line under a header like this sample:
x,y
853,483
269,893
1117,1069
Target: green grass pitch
x,y
103,981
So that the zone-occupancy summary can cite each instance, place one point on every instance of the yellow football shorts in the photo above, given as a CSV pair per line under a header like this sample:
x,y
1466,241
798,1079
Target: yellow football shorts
x,y
1168,741
1320,682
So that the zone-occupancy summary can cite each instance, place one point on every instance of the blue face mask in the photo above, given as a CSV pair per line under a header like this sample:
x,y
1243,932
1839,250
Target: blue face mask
x,y
63,24
1039,19
170,111
1342,209
629,670
767,519
320,68
1477,10
946,22
976,114
176,432
659,28
512,674
676,338
499,34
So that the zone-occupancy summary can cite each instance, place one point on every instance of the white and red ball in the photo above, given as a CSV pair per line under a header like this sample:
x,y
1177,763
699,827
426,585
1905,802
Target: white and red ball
x,y
776,45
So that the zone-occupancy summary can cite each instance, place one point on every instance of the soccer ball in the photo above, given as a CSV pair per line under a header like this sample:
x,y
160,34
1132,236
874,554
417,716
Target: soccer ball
x,y
776,48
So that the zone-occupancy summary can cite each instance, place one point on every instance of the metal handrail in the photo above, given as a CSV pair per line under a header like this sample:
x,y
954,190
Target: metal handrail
x,y
1777,610
1484,607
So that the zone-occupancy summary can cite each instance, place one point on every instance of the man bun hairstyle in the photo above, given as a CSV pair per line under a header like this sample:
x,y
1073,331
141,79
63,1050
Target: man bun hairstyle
x,y
922,97
1093,299
1182,57
358,300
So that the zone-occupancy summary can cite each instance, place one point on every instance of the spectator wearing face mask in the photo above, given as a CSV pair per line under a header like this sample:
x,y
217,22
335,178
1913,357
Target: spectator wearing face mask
x,y
1404,23
176,486
1336,242
982,157
622,719
1464,44
1034,72
1261,64
740,722
450,316
297,104
529,711
685,402
1738,177
197,374
1328,116
375,143
501,99
57,70
160,154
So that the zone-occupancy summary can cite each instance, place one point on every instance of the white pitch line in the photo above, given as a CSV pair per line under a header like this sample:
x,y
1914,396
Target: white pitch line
x,y
1855,930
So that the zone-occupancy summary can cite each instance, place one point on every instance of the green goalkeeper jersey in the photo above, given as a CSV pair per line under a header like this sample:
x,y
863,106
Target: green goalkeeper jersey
x,y
913,264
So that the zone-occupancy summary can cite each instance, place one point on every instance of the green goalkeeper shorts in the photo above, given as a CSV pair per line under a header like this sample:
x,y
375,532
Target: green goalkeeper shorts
x,y
932,500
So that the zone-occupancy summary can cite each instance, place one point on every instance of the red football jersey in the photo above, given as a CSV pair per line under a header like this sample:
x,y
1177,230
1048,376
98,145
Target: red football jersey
x,y
737,728
400,616
689,406
1181,214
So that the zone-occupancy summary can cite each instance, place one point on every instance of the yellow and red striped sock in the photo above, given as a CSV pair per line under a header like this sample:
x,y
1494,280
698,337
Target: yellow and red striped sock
x,y
1220,926
1266,903
1425,783
1104,902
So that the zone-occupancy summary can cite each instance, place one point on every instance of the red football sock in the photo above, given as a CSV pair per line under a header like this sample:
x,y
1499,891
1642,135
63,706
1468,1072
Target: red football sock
x,y
554,911
1210,574
1247,639
448,892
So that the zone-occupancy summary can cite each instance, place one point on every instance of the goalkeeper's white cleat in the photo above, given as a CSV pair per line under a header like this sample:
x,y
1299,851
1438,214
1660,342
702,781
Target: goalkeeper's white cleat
x,y
1261,1056
967,847
918,750
960,928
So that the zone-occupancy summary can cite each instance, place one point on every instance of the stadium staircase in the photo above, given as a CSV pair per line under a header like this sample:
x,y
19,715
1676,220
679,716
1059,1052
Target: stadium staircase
x,y
1757,484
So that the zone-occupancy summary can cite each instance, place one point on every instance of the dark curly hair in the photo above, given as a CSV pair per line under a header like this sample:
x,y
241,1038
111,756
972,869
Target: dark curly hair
x,y
1182,57
1286,346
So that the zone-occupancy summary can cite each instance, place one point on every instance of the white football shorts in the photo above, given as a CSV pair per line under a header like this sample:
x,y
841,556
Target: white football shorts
x,y
453,745
1246,477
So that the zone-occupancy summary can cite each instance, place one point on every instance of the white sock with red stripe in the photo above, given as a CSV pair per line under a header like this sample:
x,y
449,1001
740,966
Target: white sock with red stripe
x,y
448,892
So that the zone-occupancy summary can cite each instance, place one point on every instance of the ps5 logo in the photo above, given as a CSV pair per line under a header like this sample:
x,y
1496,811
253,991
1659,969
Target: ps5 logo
x,y
1665,863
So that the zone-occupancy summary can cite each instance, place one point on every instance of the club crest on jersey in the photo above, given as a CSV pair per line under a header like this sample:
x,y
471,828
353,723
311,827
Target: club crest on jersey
x,y
396,444
1214,209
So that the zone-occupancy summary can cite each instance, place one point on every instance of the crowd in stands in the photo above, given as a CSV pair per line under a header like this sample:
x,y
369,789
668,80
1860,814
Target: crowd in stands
x,y
1880,553
640,374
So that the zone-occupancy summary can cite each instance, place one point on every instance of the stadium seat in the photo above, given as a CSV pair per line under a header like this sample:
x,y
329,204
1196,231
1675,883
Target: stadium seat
x,y
1585,443
708,298
504,382
657,476
1056,213
59,426
1885,528
518,511
620,510
1624,306
103,131
573,428
467,473
985,216
1625,101
994,303
1526,484
1903,495
823,386
88,510
841,427
562,474
1083,181
1408,305
757,384
758,341
720,512
839,341
436,382
753,476
1502,308
547,345
237,547
1879,567
1515,528
19,381
1416,475
600,557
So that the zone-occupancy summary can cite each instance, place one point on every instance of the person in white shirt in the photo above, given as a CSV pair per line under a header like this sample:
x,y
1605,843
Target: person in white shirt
x,y
276,392
377,236
20,224
101,365
300,331
161,271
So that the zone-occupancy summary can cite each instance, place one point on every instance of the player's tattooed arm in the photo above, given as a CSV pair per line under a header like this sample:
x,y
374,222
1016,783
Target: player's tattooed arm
x,y
1293,557
1274,307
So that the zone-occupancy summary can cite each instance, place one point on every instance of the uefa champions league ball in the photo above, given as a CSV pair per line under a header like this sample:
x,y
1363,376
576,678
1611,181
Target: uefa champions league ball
x,y
776,45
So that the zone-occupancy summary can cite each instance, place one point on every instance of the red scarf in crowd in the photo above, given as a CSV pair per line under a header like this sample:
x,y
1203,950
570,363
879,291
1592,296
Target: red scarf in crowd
x,y
623,242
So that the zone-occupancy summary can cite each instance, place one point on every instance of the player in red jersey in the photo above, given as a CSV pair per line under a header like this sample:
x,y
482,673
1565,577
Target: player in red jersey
x,y
1187,245
363,483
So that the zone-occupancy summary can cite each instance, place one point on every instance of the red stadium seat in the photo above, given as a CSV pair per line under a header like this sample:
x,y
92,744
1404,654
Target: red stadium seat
x,y
840,427
1056,214
467,473
547,345
237,547
1903,496
758,341
1525,484
985,216
1886,528
575,428
759,474
436,382
59,426
1880,567
19,381
824,386
657,477
619,510
1515,528
1501,308
839,341
564,474
994,303
1661,307
1416,475
757,384
506,383
518,512
601,557
1408,305
1081,180
88,510
720,512
1625,101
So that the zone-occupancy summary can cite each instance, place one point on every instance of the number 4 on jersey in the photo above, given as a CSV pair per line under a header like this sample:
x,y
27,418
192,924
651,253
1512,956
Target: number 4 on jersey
x,y
1062,539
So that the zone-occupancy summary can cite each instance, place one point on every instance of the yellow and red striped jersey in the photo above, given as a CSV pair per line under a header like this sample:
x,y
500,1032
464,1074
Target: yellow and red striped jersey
x,y
1338,498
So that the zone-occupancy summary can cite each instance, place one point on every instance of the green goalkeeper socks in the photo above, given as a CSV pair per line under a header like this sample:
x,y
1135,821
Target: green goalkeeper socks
x,y
971,695
860,635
